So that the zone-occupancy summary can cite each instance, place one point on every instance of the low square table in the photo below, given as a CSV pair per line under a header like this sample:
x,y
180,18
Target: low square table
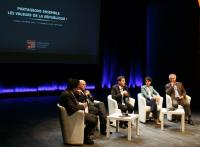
x,y
175,112
119,117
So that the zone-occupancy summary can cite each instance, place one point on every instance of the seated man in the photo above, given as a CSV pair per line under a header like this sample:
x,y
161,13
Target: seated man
x,y
121,94
178,96
93,108
69,100
152,98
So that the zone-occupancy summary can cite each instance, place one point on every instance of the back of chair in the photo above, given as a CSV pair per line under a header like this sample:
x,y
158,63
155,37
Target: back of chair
x,y
72,126
112,105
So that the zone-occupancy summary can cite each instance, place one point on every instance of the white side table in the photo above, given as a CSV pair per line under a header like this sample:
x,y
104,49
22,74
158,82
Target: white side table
x,y
117,117
175,112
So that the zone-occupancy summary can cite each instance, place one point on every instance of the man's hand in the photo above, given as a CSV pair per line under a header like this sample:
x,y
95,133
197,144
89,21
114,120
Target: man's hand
x,y
172,84
157,98
125,93
181,97
84,104
87,93
77,91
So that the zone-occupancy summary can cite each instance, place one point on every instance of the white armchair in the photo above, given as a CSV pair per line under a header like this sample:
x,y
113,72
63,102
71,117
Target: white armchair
x,y
169,104
72,126
144,110
113,106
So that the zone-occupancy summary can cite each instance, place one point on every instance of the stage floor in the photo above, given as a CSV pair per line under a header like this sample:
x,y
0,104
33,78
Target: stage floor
x,y
33,122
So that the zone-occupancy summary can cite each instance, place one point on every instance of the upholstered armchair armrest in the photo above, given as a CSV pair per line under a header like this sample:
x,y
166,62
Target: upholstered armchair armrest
x,y
96,101
188,98
142,107
141,100
160,102
168,101
112,105
114,102
141,103
79,114
132,101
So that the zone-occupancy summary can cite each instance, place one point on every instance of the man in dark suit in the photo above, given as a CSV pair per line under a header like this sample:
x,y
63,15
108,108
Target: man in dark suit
x,y
96,108
69,101
121,94
178,96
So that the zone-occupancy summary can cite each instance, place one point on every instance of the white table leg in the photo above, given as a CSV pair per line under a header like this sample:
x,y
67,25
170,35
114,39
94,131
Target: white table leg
x,y
129,130
108,128
162,120
117,125
183,122
137,126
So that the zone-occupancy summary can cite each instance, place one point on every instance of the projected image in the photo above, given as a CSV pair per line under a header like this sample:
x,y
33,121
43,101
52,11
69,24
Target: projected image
x,y
37,16
50,31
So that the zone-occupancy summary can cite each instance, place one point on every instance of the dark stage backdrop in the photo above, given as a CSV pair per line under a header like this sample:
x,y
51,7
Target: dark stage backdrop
x,y
123,42
34,74
50,31
172,44
137,38
197,54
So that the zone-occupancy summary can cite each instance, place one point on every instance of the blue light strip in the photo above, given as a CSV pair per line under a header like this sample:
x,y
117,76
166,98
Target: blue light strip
x,y
42,88
7,90
106,78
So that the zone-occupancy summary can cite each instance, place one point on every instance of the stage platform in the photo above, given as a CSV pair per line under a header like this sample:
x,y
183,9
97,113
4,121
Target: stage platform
x,y
33,122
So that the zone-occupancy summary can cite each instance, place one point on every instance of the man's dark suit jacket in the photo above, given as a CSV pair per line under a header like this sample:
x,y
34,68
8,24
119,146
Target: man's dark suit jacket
x,y
116,94
68,100
170,90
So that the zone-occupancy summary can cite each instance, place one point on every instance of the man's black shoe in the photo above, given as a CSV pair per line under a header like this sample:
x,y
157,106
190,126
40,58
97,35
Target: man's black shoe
x,y
103,133
126,124
176,120
190,122
122,126
88,141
